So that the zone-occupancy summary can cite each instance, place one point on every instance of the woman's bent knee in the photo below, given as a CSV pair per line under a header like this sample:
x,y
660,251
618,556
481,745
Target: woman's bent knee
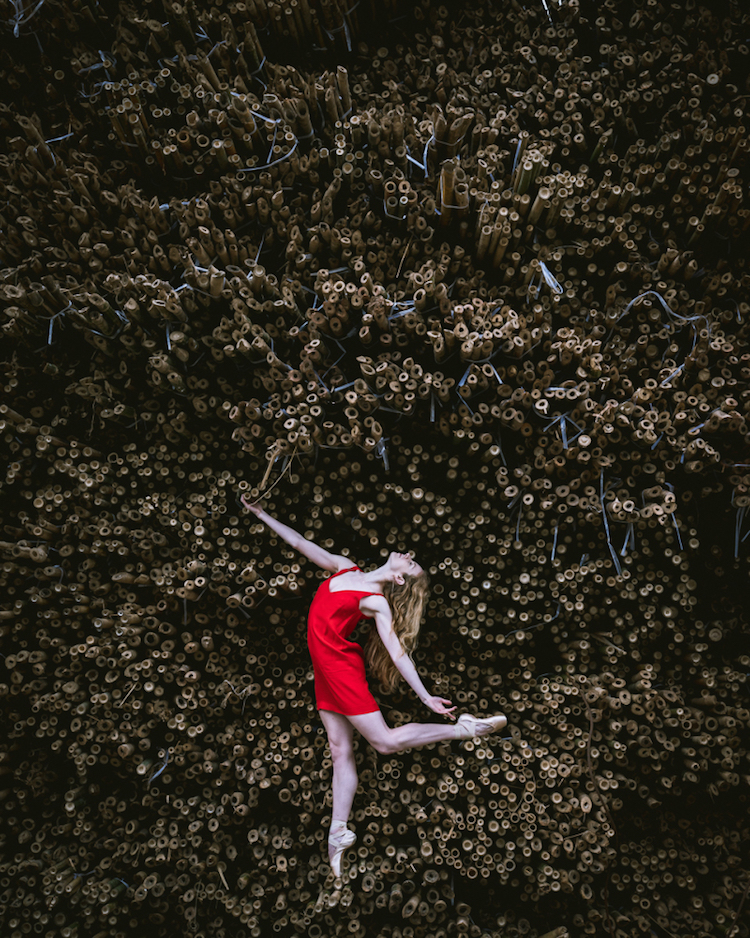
x,y
385,746
378,734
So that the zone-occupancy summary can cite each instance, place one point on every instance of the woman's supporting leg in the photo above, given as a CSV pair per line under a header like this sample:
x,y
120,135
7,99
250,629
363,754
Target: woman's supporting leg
x,y
340,739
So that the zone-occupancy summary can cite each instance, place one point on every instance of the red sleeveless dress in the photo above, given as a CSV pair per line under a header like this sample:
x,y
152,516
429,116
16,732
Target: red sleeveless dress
x,y
338,664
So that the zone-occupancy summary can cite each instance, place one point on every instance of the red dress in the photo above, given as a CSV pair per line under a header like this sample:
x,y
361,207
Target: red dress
x,y
338,664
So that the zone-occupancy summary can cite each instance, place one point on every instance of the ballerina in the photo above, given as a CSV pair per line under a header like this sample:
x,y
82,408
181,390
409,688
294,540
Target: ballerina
x,y
394,596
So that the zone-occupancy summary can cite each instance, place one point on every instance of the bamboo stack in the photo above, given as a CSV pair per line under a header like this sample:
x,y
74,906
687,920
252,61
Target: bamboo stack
x,y
463,281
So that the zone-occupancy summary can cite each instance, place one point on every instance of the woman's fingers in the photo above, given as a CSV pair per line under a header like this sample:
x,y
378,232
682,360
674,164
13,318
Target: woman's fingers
x,y
443,706
449,713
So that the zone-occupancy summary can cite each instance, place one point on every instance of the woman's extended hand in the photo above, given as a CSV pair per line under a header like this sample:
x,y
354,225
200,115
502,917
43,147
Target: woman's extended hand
x,y
251,506
440,705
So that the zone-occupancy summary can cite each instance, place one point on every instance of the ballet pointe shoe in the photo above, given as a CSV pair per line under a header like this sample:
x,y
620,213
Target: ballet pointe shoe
x,y
338,842
468,726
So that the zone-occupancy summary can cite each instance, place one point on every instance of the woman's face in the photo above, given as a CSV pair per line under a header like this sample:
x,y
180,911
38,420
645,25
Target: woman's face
x,y
404,565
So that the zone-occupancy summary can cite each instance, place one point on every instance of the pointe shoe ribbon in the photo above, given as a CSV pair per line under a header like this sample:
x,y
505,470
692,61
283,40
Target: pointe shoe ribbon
x,y
470,726
338,843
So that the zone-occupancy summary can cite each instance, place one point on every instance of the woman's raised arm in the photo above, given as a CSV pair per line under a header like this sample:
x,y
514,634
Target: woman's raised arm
x,y
319,555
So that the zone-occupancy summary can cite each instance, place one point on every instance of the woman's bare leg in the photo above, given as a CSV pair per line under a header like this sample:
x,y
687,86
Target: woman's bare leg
x,y
388,739
340,739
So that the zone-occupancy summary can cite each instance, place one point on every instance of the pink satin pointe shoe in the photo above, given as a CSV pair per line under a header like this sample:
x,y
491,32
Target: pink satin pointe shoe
x,y
468,726
338,842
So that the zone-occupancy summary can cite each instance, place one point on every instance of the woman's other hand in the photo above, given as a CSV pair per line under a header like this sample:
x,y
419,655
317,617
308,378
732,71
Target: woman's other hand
x,y
440,705
251,506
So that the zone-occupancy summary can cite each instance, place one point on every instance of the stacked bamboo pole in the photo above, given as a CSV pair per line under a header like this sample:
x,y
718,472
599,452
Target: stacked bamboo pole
x,y
468,282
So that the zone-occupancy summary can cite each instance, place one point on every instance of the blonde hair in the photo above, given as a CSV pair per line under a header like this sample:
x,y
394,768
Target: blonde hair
x,y
407,601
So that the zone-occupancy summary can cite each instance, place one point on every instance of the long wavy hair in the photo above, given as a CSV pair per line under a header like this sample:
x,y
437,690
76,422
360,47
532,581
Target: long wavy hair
x,y
407,601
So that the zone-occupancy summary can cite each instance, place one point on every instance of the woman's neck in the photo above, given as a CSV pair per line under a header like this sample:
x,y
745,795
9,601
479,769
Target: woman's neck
x,y
378,577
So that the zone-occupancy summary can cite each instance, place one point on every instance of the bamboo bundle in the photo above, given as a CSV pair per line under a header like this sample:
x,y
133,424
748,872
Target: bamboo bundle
x,y
470,285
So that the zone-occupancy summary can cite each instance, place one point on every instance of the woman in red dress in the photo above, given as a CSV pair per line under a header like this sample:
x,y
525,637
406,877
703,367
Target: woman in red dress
x,y
393,596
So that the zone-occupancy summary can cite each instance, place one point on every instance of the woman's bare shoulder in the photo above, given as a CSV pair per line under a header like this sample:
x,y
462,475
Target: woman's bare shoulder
x,y
343,563
374,604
